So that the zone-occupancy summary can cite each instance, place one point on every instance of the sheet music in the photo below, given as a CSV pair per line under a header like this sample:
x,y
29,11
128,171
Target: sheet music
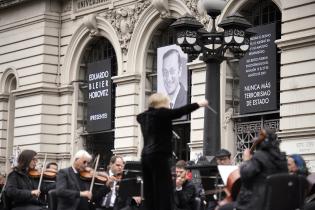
x,y
225,171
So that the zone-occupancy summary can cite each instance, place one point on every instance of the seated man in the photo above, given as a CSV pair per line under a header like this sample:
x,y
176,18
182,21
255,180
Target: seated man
x,y
185,192
106,198
72,192
223,157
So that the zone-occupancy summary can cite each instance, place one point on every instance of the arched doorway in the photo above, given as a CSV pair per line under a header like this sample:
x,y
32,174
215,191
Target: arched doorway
x,y
247,126
101,140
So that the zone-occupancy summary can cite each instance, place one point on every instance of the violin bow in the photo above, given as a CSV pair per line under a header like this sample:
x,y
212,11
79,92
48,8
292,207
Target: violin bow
x,y
94,174
42,173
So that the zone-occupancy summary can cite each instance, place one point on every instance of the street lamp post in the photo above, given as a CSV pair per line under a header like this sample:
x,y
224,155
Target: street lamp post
x,y
193,40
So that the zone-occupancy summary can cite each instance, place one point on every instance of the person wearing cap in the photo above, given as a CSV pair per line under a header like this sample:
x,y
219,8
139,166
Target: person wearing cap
x,y
223,157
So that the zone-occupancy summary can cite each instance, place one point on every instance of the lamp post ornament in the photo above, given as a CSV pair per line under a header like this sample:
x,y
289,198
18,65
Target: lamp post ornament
x,y
194,39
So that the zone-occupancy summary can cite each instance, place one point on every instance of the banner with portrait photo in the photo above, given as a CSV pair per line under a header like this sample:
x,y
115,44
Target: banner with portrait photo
x,y
172,74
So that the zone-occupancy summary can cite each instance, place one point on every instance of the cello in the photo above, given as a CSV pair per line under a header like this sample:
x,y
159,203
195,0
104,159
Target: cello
x,y
234,179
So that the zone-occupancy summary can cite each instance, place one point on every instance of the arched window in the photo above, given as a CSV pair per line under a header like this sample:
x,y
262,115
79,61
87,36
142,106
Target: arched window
x,y
10,85
100,142
247,126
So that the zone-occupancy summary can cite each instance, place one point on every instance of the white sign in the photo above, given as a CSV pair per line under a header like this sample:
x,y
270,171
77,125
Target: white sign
x,y
301,146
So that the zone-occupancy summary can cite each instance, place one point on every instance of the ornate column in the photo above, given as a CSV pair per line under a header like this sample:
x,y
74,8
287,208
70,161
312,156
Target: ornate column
x,y
198,75
126,128
297,98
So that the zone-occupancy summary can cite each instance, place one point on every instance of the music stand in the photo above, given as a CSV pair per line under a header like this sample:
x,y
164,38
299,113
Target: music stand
x,y
131,183
205,173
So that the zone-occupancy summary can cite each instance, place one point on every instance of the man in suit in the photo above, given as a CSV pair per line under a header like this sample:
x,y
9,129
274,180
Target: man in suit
x,y
185,192
107,198
172,69
72,192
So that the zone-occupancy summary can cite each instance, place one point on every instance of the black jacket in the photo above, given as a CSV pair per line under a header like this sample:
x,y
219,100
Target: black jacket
x,y
253,174
181,98
18,189
185,198
156,127
68,189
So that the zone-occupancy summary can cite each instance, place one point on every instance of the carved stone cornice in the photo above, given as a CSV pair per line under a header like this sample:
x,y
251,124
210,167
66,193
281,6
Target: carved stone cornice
x,y
197,11
124,20
130,78
162,7
4,97
9,3
196,144
296,41
90,22
227,117
132,150
22,92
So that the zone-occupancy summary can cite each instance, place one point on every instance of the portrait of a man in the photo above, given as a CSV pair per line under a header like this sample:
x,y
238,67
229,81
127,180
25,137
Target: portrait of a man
x,y
172,74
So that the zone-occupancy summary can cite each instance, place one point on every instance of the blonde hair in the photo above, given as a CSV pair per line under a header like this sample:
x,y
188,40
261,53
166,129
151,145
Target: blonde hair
x,y
157,100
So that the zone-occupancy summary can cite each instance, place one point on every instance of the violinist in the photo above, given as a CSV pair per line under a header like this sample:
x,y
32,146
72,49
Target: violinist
x,y
72,192
49,181
21,190
267,160
106,198
53,166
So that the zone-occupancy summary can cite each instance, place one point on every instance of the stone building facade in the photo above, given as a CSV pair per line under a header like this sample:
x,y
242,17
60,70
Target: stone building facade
x,y
45,44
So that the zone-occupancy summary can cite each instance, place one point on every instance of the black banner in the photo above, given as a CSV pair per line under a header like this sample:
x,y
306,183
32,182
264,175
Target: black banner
x,y
99,105
258,72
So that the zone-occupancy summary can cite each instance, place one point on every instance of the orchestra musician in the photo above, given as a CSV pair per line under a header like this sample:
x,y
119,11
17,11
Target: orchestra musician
x,y
21,190
185,191
156,127
49,181
222,157
107,197
297,165
2,186
52,165
255,168
72,192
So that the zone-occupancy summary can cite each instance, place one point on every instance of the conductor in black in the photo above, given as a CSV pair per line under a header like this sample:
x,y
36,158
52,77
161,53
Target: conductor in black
x,y
156,127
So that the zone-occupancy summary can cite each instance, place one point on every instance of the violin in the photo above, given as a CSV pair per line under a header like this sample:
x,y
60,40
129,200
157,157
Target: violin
x,y
48,174
118,177
34,173
87,175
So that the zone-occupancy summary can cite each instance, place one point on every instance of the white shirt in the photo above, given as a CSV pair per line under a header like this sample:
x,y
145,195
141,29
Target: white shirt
x,y
113,190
